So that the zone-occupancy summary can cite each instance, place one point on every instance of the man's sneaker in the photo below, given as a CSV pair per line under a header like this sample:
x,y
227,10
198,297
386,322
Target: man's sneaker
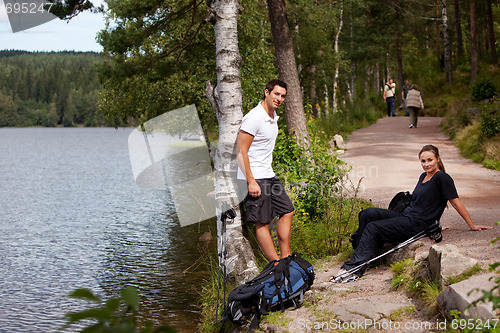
x,y
339,276
351,278
411,126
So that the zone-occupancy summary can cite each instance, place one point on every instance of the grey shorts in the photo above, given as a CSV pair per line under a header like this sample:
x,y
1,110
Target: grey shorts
x,y
271,203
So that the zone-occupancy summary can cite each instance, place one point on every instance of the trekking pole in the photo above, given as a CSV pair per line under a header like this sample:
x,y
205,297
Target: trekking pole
x,y
231,214
227,211
433,232
220,240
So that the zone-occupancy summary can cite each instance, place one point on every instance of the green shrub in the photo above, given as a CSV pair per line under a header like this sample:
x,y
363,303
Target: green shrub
x,y
490,120
483,89
314,181
311,176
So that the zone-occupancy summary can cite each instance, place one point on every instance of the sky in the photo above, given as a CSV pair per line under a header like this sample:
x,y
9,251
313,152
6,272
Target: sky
x,y
56,35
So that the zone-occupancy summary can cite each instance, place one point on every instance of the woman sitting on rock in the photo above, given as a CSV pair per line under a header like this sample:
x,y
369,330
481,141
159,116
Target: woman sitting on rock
x,y
429,199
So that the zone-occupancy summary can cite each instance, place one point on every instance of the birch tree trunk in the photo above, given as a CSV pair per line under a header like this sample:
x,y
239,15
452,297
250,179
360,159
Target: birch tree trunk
x,y
447,51
287,68
327,99
336,51
225,99
353,66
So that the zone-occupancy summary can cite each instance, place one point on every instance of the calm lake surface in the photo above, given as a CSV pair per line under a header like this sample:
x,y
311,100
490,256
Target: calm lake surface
x,y
71,216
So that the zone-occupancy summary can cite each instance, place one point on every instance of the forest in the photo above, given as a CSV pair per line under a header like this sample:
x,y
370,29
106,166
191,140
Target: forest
x,y
161,54
49,89
335,57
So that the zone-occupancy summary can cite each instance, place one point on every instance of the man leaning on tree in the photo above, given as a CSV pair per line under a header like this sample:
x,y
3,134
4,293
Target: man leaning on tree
x,y
266,196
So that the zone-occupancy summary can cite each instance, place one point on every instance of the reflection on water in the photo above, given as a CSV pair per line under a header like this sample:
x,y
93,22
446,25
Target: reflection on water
x,y
72,216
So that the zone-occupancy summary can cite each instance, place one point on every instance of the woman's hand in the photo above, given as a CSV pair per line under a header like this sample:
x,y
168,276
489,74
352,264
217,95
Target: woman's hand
x,y
457,204
480,227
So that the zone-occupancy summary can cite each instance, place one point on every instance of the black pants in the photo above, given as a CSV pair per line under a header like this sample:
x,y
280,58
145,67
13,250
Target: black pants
x,y
376,227
391,106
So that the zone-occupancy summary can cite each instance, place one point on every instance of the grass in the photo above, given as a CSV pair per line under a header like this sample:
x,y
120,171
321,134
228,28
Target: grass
x,y
278,319
409,276
455,279
208,297
404,273
402,314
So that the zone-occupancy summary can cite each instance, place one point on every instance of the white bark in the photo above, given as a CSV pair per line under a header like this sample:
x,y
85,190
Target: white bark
x,y
225,98
352,94
327,99
336,50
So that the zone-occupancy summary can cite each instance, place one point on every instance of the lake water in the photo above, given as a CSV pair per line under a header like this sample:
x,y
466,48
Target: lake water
x,y
71,216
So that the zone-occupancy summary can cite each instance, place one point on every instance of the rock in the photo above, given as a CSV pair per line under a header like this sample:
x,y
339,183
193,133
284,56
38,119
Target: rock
x,y
402,254
337,142
206,237
421,256
340,152
446,261
459,296
373,308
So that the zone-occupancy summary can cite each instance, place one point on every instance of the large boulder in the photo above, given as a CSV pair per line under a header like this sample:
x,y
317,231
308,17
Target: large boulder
x,y
446,261
460,296
337,142
406,252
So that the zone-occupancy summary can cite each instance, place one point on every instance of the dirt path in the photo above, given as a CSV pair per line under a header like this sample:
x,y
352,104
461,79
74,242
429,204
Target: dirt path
x,y
385,155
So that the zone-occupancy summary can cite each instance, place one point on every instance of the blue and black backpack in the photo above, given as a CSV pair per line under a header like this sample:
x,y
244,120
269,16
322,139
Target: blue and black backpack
x,y
281,284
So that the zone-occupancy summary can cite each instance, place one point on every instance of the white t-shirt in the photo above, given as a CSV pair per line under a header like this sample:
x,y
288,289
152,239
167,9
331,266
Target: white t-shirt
x,y
390,92
264,129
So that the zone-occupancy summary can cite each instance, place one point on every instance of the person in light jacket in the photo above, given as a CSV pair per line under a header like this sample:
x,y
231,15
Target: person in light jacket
x,y
414,104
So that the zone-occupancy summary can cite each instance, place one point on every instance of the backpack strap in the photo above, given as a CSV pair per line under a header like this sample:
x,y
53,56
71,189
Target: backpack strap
x,y
254,324
306,267
279,283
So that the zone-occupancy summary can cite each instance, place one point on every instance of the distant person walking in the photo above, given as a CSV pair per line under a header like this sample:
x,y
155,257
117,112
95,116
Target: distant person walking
x,y
404,93
414,103
390,97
